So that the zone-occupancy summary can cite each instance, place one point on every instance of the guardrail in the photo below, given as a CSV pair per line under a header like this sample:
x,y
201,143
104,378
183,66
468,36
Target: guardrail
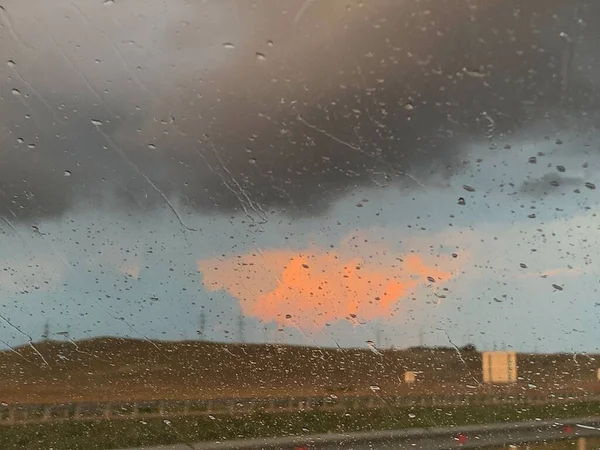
x,y
11,414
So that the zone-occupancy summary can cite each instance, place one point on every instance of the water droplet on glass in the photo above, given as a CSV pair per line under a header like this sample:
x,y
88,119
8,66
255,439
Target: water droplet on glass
x,y
554,183
270,43
523,266
152,146
305,266
288,316
461,201
431,279
468,188
11,63
109,2
20,140
261,56
409,106
561,168
411,415
96,122
16,92
31,145
375,388
531,216
532,160
228,45
67,173
454,255
557,287
590,185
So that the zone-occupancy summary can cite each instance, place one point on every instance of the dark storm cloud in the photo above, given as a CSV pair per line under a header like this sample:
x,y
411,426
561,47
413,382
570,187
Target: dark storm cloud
x,y
550,183
308,104
45,169
392,97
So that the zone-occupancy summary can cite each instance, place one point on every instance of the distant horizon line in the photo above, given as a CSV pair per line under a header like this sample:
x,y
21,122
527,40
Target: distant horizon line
x,y
466,348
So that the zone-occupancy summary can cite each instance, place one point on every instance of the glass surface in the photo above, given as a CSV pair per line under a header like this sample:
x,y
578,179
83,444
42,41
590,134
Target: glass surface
x,y
559,445
230,219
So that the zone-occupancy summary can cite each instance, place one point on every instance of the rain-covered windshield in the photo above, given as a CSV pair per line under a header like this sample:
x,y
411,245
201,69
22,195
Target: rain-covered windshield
x,y
299,223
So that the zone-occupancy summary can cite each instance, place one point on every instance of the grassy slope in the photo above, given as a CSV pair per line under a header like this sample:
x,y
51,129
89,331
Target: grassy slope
x,y
111,369
117,369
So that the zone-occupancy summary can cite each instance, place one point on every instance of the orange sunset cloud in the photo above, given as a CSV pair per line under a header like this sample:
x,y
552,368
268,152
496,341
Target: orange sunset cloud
x,y
312,288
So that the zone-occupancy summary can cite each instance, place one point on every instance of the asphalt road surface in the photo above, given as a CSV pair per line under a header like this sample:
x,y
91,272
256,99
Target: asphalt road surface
x,y
474,436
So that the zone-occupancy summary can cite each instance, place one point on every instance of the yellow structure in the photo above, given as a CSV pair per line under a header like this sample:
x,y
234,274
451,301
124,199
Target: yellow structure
x,y
499,367
410,377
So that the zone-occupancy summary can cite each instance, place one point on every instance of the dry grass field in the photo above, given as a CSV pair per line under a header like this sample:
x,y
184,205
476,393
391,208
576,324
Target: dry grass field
x,y
111,369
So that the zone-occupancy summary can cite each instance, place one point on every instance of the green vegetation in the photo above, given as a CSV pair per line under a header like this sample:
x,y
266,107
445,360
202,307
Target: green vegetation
x,y
105,435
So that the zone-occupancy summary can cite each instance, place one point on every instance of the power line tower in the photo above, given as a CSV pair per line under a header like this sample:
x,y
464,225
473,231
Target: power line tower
x,y
241,328
279,336
46,333
378,338
202,326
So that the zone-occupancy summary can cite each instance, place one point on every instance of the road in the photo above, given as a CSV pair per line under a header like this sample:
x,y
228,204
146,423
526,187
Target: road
x,y
472,436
